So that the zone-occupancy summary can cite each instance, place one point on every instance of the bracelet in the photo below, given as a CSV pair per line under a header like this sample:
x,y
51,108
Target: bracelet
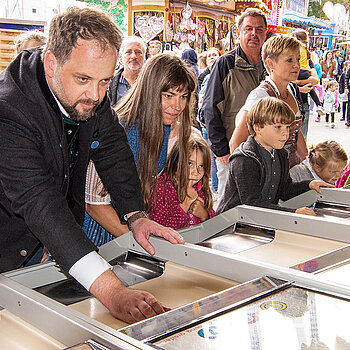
x,y
136,216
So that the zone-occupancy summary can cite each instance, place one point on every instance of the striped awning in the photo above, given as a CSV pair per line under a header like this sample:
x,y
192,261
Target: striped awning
x,y
310,21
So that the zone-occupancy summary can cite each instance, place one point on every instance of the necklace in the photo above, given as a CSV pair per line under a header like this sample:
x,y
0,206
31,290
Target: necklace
x,y
284,98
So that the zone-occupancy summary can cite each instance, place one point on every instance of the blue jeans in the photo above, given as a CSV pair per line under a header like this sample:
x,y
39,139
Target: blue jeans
x,y
97,234
223,172
214,177
35,259
305,126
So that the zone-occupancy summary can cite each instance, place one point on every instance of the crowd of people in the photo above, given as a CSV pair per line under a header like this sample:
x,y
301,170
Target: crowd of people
x,y
333,76
89,153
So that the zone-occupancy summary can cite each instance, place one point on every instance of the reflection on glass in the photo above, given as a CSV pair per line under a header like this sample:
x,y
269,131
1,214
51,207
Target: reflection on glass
x,y
291,319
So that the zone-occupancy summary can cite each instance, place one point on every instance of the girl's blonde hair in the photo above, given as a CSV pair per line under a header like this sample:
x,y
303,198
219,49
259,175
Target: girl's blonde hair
x,y
325,152
331,83
142,108
267,111
178,174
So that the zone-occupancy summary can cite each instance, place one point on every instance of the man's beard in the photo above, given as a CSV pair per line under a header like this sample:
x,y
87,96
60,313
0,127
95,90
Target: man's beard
x,y
80,116
134,68
71,109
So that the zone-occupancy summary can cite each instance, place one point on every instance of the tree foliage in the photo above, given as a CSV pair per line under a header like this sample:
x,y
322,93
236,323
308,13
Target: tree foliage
x,y
315,8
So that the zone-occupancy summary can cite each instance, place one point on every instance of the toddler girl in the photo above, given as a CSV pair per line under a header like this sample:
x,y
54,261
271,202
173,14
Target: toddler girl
x,y
175,206
321,91
330,101
326,162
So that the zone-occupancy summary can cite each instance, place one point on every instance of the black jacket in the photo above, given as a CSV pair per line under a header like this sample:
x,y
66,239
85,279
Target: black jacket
x,y
347,80
340,61
38,201
201,77
341,83
113,86
247,177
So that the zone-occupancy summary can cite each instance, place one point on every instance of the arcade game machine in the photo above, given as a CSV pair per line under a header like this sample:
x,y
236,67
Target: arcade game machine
x,y
250,277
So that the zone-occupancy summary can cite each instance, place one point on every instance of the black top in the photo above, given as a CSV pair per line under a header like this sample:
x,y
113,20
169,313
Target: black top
x,y
304,97
201,77
272,173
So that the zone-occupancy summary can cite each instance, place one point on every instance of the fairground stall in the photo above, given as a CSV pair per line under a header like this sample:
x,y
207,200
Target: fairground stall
x,y
197,24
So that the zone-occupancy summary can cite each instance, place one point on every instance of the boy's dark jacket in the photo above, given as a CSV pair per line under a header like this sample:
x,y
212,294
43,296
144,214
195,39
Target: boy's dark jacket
x,y
247,176
34,181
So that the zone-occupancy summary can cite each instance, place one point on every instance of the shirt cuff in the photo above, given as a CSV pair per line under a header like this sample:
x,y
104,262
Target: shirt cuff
x,y
88,268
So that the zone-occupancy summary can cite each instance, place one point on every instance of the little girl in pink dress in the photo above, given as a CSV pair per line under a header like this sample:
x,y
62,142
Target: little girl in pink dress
x,y
183,196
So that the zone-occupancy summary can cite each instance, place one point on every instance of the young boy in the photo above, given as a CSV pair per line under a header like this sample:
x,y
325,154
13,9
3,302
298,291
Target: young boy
x,y
259,167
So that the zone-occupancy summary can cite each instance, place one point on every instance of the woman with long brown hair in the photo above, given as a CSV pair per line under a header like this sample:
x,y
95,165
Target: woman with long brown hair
x,y
160,99
328,65
178,207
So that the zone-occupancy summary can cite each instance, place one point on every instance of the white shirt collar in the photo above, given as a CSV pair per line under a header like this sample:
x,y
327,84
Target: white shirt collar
x,y
58,102
307,163
60,106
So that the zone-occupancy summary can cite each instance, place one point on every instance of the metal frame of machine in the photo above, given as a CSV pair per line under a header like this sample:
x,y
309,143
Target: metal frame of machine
x,y
335,196
43,312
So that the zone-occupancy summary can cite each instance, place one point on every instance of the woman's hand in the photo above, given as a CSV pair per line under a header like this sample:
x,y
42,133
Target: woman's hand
x,y
317,184
198,209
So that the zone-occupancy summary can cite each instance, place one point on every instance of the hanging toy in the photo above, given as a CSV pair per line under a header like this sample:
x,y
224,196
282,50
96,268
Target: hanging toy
x,y
187,25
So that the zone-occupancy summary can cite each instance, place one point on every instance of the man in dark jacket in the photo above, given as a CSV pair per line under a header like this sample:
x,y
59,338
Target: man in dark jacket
x,y
54,118
233,77
132,58
339,60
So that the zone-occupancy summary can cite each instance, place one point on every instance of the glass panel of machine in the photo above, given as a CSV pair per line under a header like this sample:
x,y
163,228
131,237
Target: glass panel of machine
x,y
294,318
